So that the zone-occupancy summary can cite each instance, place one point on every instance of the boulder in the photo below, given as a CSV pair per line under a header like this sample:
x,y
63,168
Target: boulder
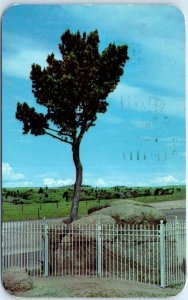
x,y
132,213
16,280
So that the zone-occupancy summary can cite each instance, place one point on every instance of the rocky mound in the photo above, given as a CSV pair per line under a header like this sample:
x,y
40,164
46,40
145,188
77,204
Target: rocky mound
x,y
132,213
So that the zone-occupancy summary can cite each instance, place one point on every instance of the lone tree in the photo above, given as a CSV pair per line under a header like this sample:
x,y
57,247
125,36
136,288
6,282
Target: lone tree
x,y
73,90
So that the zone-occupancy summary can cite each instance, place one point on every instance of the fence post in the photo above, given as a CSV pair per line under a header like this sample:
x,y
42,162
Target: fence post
x,y
99,249
162,254
177,240
45,247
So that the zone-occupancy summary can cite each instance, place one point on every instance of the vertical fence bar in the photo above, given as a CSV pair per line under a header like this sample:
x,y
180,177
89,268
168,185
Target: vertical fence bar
x,y
54,233
89,238
62,252
106,245
177,241
4,247
145,254
149,251
162,254
79,247
133,251
129,243
125,251
27,243
11,244
158,269
83,254
86,250
117,249
110,256
141,255
121,231
24,252
72,250
18,242
102,248
153,250
113,248
34,248
99,249
45,247
40,247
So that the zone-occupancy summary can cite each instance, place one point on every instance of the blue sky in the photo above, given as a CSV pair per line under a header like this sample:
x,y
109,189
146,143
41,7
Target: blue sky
x,y
140,140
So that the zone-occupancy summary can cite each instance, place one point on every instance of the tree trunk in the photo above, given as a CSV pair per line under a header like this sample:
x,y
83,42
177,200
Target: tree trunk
x,y
78,181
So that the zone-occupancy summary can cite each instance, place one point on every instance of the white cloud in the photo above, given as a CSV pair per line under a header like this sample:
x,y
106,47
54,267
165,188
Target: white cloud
x,y
17,184
101,182
164,180
51,182
19,64
9,174
17,60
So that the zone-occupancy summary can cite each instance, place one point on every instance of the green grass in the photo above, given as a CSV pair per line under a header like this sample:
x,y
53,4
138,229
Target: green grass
x,y
36,210
151,199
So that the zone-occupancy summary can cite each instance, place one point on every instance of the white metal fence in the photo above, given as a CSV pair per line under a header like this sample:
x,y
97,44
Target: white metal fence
x,y
150,254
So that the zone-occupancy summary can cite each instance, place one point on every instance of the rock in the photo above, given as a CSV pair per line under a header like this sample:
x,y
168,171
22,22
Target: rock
x,y
16,280
132,213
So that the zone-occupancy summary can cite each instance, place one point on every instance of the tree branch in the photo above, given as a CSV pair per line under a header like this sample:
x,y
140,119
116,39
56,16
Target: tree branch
x,y
58,138
58,131
53,129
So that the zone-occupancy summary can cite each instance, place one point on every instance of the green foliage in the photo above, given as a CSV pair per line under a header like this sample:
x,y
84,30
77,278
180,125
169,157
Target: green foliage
x,y
74,88
40,190
90,193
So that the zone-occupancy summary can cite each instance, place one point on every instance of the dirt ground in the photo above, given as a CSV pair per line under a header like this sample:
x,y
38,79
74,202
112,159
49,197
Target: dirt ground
x,y
169,204
95,287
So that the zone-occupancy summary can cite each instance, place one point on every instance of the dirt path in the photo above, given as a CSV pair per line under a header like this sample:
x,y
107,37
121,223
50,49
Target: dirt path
x,y
95,287
169,204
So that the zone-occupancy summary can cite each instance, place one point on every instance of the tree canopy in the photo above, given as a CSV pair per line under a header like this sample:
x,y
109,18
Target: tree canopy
x,y
73,89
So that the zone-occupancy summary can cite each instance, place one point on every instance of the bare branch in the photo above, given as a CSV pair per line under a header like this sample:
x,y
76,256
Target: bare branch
x,y
58,138
53,129
70,135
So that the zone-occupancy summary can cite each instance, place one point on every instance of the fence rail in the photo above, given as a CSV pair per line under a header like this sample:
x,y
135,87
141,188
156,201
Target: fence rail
x,y
150,254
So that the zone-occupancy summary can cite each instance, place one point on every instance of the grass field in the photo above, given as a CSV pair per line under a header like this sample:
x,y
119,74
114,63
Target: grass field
x,y
36,211
35,205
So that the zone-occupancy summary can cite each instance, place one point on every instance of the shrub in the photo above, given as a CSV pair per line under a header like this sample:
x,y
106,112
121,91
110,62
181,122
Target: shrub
x,y
117,195
25,196
48,200
40,191
95,208
16,280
